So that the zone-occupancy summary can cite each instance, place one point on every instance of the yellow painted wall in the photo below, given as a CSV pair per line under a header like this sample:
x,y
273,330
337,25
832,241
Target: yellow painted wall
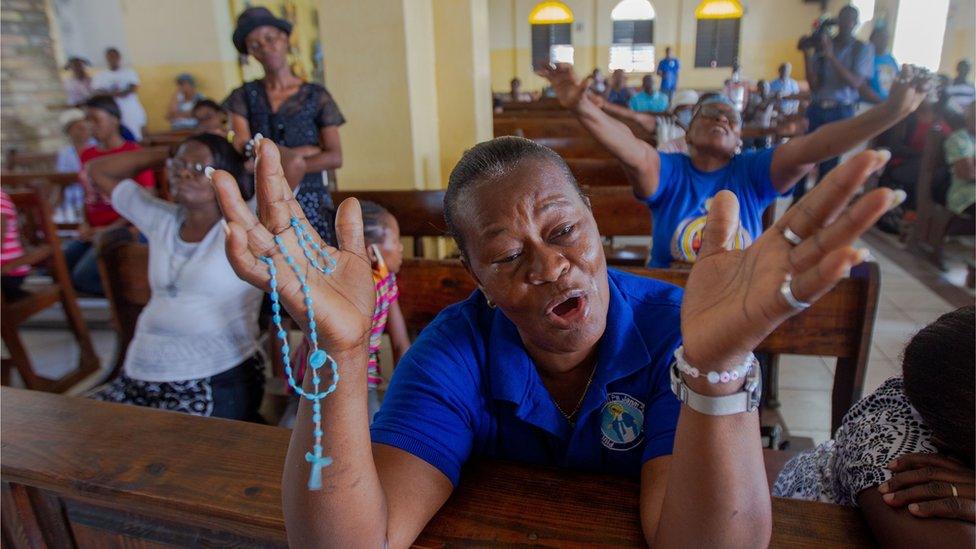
x,y
418,22
203,49
463,78
770,29
377,140
960,40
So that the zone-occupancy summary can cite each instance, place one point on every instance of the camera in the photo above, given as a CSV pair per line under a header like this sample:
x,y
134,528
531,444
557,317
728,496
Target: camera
x,y
812,41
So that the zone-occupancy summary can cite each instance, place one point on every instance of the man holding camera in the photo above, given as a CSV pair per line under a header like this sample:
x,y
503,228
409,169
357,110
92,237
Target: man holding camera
x,y
835,68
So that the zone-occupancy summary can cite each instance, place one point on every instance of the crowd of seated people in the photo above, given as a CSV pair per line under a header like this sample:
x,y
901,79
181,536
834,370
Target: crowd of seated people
x,y
519,370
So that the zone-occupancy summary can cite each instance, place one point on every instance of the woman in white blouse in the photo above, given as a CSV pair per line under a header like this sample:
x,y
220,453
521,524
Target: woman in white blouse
x,y
194,348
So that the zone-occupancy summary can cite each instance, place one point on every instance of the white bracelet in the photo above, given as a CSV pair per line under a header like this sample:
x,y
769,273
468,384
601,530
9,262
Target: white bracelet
x,y
724,376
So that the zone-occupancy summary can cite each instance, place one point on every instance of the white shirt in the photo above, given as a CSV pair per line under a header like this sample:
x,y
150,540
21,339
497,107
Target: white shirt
x,y
210,324
133,115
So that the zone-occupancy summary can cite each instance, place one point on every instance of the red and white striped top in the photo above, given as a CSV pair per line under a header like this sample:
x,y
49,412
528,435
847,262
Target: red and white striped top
x,y
11,248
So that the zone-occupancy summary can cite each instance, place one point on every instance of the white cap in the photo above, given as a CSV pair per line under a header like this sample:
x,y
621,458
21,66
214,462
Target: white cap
x,y
70,116
684,98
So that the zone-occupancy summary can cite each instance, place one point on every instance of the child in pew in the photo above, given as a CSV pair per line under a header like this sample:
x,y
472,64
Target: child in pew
x,y
11,249
905,453
195,343
385,253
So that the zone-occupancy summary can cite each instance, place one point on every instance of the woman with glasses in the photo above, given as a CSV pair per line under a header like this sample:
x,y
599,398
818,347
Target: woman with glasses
x,y
194,348
301,117
678,188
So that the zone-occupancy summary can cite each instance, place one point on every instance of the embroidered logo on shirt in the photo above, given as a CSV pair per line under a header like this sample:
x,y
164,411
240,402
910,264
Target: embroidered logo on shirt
x,y
622,422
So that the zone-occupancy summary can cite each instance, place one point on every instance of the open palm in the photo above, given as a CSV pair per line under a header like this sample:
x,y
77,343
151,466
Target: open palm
x,y
343,300
569,90
732,298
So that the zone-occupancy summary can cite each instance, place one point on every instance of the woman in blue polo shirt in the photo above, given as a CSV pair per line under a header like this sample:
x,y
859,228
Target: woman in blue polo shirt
x,y
554,359
678,188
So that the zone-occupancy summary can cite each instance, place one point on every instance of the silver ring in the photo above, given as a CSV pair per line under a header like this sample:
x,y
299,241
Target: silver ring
x,y
787,294
792,237
955,493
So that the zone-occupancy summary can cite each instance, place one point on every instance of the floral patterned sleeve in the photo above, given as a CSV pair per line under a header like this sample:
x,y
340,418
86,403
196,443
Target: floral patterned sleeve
x,y
884,426
329,113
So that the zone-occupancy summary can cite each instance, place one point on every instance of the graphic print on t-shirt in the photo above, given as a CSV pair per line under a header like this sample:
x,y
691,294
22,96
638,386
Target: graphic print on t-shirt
x,y
622,422
687,237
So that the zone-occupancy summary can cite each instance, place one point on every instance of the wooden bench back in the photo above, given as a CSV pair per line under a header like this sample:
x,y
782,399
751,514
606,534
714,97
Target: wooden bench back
x,y
598,172
532,127
123,264
421,213
18,161
82,473
838,325
575,147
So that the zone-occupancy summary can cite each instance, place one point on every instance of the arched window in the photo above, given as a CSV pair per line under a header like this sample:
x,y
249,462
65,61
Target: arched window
x,y
717,39
633,36
552,33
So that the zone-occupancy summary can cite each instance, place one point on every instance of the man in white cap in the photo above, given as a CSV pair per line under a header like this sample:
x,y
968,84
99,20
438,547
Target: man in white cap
x,y
671,130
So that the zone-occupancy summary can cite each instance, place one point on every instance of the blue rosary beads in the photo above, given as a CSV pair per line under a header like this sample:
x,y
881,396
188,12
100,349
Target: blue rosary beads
x,y
318,357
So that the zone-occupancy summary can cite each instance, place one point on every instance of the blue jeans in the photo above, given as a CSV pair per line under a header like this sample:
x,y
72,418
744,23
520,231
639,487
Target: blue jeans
x,y
818,116
82,262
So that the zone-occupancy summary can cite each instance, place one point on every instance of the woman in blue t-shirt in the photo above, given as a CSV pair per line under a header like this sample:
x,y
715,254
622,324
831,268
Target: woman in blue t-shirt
x,y
678,188
554,359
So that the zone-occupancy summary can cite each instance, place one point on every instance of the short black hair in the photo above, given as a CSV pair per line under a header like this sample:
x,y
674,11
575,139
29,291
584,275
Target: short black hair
x,y
939,371
114,50
209,103
489,160
105,103
226,157
374,221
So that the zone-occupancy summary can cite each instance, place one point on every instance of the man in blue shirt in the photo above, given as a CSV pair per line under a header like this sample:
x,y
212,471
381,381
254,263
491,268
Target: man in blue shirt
x,y
785,86
668,69
836,68
617,92
648,99
885,67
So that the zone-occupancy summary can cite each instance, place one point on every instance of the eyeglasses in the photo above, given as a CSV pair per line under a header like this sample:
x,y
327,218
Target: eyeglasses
x,y
715,112
174,167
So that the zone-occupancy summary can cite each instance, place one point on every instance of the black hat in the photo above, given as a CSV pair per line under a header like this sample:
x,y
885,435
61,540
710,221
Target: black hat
x,y
253,18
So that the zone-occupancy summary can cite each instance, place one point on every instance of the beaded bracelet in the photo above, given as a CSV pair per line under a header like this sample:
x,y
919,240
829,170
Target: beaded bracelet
x,y
318,357
724,376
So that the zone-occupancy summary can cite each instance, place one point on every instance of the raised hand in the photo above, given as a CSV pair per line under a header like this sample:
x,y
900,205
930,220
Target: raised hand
x,y
733,298
569,90
908,90
343,301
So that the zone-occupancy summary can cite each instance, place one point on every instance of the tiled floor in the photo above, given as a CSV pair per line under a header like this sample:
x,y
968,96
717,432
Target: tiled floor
x,y
905,306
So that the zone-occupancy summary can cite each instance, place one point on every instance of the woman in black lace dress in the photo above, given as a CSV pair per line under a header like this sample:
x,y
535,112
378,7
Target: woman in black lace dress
x,y
300,117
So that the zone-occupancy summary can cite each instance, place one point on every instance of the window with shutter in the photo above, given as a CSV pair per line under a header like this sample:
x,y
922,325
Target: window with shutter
x,y
552,43
717,42
632,49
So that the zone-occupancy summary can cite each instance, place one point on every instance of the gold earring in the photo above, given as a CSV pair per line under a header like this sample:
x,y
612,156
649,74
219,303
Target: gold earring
x,y
491,303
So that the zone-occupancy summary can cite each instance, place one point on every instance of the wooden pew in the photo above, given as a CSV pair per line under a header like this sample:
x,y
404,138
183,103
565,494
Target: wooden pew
x,y
80,473
18,161
542,104
584,147
42,248
535,127
840,324
598,172
421,213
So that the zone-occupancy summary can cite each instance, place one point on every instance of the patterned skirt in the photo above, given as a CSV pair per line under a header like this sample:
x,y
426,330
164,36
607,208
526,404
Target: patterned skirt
x,y
234,394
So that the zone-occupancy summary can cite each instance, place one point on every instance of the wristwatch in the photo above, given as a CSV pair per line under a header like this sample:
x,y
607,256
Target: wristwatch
x,y
745,400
